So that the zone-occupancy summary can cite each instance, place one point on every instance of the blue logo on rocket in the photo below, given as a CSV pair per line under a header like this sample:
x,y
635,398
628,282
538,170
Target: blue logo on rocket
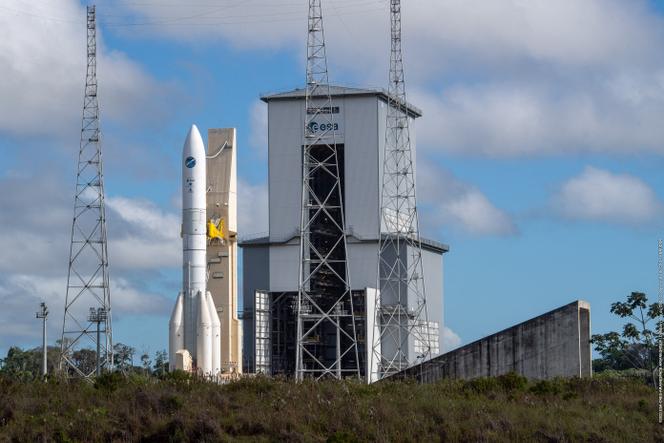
x,y
190,162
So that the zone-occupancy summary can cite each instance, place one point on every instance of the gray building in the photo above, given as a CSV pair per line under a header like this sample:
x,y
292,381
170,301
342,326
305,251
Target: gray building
x,y
270,264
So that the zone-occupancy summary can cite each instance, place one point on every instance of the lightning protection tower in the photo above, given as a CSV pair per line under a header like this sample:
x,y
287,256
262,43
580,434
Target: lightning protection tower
x,y
326,336
87,345
401,311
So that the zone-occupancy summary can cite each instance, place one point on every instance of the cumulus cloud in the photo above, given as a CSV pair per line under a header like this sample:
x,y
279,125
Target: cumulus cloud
x,y
451,340
447,202
20,295
499,78
42,58
143,235
258,128
36,219
599,195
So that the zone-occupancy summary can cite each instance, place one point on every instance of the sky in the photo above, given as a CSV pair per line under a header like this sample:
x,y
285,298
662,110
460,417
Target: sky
x,y
538,153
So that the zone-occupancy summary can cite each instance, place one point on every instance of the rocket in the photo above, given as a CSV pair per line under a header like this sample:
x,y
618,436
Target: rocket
x,y
194,327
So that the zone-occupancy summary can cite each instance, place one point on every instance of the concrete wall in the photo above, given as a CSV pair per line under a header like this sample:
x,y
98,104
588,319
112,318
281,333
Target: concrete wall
x,y
555,344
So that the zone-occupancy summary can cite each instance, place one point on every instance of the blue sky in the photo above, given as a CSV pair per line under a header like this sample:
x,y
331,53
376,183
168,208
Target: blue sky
x,y
539,151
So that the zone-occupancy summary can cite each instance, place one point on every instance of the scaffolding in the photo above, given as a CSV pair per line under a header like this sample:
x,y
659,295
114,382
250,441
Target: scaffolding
x,y
400,311
326,330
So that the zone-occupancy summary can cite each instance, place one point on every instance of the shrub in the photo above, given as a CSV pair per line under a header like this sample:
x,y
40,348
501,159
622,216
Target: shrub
x,y
512,382
177,377
482,385
110,381
546,387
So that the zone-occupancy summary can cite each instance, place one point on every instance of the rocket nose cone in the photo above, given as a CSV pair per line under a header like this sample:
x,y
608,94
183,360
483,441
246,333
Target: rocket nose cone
x,y
193,133
193,144
193,136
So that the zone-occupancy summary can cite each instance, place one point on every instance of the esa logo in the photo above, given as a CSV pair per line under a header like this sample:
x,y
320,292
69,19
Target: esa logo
x,y
190,162
323,127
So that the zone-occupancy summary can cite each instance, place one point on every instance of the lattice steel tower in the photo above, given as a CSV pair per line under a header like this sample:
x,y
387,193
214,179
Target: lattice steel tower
x,y
401,310
326,336
87,279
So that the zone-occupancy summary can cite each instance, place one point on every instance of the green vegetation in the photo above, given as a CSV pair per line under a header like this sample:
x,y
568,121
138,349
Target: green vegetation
x,y
175,407
635,348
25,365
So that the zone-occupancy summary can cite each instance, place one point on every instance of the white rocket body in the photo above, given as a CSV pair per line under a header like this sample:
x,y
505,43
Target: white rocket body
x,y
193,319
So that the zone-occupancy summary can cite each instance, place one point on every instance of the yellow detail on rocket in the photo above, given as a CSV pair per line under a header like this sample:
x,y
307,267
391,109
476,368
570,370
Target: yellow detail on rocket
x,y
214,230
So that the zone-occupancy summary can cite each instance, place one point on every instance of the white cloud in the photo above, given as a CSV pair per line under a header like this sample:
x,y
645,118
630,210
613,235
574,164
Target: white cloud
x,y
258,128
496,78
447,202
510,119
572,32
36,219
147,237
42,60
450,340
20,295
599,195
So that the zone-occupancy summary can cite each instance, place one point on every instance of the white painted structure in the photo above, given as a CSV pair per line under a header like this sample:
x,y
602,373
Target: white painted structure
x,y
271,263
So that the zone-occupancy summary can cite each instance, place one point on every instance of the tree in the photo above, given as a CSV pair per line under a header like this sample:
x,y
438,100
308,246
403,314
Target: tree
x,y
636,345
20,364
145,360
123,357
161,362
26,365
85,360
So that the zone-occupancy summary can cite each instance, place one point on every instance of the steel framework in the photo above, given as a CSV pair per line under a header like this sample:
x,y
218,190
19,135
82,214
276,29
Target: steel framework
x,y
401,311
326,336
87,278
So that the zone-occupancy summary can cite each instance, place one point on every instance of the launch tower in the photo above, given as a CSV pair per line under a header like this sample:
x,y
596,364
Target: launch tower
x,y
326,330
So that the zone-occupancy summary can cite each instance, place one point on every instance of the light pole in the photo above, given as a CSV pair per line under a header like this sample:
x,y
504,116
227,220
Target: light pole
x,y
43,313
98,316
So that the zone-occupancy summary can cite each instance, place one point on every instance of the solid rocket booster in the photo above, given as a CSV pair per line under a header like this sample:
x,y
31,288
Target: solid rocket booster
x,y
194,317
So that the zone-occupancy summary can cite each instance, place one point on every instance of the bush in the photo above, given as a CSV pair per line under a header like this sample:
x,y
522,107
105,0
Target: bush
x,y
512,381
177,377
546,387
110,381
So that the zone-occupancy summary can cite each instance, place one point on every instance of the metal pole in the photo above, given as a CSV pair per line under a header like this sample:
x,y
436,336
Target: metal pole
x,y
660,293
43,313
44,349
98,359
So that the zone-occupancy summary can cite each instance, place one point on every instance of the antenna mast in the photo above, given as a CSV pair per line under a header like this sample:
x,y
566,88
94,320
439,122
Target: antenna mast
x,y
326,336
401,311
87,278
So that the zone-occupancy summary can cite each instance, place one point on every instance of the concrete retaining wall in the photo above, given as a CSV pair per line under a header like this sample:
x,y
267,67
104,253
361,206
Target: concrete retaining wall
x,y
555,344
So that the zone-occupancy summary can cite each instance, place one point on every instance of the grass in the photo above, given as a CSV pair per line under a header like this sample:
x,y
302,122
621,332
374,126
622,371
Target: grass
x,y
175,408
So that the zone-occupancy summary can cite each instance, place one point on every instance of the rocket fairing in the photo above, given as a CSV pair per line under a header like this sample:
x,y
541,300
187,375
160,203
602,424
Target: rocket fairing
x,y
194,316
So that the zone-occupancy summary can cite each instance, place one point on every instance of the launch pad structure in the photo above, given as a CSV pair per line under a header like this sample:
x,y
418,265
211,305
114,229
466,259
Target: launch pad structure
x,y
326,336
205,334
221,208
